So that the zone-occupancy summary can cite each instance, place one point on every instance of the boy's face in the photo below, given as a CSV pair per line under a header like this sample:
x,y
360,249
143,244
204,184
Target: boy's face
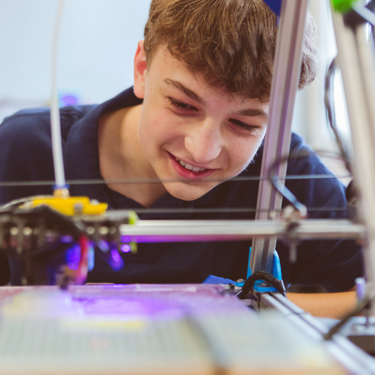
x,y
191,132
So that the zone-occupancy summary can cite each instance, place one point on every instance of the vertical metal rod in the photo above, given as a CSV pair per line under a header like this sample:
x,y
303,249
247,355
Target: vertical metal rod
x,y
357,63
285,82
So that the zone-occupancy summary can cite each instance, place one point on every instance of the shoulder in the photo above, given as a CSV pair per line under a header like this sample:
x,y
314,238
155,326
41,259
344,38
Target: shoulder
x,y
25,137
302,159
29,130
23,122
25,148
36,122
314,184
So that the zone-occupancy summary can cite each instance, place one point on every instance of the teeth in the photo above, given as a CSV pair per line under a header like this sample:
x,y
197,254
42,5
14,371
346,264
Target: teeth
x,y
190,167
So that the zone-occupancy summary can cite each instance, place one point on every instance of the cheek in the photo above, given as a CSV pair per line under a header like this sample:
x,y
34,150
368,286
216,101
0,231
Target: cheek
x,y
243,152
157,128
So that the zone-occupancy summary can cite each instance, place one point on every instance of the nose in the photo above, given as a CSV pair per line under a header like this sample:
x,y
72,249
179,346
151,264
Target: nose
x,y
204,141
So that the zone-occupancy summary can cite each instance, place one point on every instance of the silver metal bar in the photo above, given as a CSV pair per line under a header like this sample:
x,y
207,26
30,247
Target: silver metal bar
x,y
197,231
357,63
286,75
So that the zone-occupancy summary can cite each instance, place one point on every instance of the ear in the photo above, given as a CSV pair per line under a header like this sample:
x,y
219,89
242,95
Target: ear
x,y
140,69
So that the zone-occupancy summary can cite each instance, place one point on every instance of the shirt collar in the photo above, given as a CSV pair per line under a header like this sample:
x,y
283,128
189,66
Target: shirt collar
x,y
81,151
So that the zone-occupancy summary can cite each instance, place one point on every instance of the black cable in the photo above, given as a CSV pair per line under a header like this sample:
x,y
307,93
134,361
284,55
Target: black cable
x,y
261,275
281,188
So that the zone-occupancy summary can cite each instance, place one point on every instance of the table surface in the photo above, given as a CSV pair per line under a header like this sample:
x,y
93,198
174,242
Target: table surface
x,y
149,329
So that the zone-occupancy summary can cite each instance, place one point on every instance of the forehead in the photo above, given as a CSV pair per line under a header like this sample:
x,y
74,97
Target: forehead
x,y
173,73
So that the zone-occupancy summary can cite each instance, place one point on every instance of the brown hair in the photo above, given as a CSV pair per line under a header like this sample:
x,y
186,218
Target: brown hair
x,y
231,42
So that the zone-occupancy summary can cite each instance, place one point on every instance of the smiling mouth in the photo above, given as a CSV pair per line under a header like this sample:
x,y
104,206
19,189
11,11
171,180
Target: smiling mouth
x,y
187,170
190,167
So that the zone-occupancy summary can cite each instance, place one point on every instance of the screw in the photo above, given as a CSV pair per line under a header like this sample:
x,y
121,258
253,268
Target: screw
x,y
78,208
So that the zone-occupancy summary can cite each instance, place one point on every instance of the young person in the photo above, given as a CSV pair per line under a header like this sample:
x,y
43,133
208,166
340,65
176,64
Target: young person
x,y
196,117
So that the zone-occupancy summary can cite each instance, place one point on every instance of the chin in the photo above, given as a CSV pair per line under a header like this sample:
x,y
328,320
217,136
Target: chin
x,y
186,192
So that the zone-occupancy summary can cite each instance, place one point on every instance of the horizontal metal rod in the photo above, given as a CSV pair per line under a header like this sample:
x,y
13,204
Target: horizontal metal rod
x,y
236,230
157,181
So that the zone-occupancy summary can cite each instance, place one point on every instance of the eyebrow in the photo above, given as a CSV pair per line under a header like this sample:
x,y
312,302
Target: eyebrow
x,y
251,112
184,89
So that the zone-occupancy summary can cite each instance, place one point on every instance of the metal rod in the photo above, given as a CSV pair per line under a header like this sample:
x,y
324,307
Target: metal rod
x,y
286,75
157,181
231,230
357,62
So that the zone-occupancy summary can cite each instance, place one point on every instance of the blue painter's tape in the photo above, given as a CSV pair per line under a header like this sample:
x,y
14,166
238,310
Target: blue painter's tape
x,y
218,280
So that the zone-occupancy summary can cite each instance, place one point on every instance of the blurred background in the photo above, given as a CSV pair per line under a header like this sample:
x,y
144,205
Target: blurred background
x,y
98,39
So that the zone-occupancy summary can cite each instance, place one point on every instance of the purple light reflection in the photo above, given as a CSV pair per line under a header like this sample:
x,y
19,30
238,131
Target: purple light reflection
x,y
66,239
139,238
126,248
133,307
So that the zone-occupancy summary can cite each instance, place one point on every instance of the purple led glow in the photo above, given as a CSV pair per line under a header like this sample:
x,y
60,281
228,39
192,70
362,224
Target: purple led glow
x,y
115,256
66,99
73,255
117,262
103,245
126,248
66,239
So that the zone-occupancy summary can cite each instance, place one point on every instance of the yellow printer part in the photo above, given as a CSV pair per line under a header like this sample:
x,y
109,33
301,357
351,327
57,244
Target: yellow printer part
x,y
70,206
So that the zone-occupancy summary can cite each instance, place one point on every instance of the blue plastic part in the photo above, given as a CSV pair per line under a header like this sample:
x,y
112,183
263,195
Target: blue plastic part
x,y
218,280
263,289
91,258
276,272
249,271
276,266
275,6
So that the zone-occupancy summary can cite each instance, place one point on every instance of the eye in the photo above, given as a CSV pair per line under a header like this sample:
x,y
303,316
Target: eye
x,y
245,127
182,106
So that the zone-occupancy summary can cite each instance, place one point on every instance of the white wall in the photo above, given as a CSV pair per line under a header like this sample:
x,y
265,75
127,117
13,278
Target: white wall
x,y
310,117
98,40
